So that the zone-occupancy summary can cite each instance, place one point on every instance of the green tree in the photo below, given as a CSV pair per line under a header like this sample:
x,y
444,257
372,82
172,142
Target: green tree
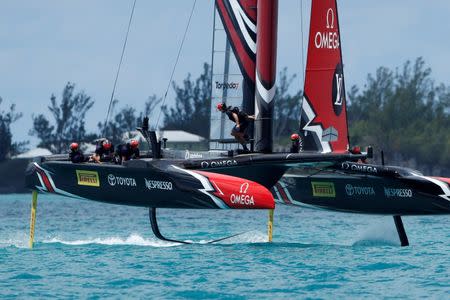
x,y
192,105
126,119
405,114
69,121
7,147
123,121
150,106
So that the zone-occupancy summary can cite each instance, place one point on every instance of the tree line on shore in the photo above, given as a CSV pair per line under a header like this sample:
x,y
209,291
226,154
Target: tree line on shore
x,y
402,111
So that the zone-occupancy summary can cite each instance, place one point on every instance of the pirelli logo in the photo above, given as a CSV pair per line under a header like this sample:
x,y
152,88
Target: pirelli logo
x,y
323,189
89,178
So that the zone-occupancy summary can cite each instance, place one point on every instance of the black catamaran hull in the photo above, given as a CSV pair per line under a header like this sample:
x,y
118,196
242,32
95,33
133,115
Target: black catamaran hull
x,y
241,182
167,187
386,194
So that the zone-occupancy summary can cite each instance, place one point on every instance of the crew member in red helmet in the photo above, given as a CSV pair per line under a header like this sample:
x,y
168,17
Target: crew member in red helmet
x,y
242,121
297,144
128,151
103,152
75,154
357,150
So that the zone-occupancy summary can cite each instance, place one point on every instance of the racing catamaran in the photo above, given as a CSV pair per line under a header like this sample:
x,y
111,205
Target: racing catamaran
x,y
224,179
348,186
214,179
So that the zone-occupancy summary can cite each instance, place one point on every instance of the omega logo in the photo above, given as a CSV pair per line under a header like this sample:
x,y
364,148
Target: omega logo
x,y
329,39
330,15
244,188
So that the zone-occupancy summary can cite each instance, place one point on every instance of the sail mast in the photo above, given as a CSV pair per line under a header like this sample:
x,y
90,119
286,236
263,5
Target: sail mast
x,y
266,53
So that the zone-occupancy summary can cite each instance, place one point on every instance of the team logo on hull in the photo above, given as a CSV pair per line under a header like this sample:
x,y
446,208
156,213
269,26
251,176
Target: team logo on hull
x,y
360,168
323,189
188,155
243,198
88,178
352,190
218,163
114,180
400,193
158,185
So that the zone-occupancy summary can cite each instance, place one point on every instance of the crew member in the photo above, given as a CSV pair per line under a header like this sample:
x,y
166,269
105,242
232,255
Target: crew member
x,y
75,155
242,121
103,152
297,144
128,151
357,150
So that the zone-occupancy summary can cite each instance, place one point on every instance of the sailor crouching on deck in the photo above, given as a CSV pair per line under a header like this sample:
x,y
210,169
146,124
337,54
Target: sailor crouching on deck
x,y
103,152
242,121
75,154
127,151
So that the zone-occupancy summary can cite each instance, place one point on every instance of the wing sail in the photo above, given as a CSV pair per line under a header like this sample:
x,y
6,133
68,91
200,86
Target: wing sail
x,y
323,121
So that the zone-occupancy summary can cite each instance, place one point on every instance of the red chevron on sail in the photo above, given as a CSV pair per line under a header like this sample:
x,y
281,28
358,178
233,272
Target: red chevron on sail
x,y
239,20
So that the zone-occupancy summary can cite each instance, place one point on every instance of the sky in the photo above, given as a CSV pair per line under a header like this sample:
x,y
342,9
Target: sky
x,y
46,43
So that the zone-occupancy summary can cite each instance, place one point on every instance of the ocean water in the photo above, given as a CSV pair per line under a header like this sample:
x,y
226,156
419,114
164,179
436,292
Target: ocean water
x,y
85,249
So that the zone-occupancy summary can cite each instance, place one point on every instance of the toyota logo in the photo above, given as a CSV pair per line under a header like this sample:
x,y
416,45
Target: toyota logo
x,y
349,189
112,179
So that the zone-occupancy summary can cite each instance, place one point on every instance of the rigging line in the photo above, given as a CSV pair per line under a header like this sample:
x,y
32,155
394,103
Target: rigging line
x,y
176,62
118,69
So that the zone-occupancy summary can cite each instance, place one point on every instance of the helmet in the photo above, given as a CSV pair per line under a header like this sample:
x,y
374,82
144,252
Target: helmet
x,y
107,144
74,146
295,137
356,150
221,106
134,144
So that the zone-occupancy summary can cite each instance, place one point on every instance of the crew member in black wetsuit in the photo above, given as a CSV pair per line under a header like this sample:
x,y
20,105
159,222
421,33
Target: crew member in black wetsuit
x,y
75,155
128,151
103,152
297,144
242,121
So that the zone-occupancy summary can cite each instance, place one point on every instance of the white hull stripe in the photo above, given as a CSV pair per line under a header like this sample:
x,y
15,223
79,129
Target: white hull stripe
x,y
52,183
207,187
441,184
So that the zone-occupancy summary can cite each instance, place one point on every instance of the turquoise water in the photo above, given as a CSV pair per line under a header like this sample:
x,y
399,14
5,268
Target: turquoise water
x,y
87,249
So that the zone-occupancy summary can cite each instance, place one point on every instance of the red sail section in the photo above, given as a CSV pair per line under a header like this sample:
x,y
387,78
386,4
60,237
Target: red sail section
x,y
324,115
239,20
265,74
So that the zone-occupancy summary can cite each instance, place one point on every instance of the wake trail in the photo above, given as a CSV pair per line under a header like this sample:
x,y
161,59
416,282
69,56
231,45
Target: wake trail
x,y
20,240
